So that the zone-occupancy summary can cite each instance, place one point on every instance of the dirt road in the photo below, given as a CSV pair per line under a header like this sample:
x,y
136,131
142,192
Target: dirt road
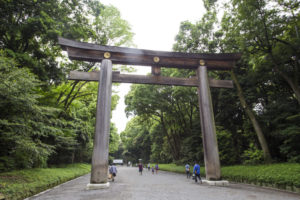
x,y
164,185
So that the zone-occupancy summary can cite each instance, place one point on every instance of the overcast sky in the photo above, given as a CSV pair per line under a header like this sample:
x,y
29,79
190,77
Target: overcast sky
x,y
155,24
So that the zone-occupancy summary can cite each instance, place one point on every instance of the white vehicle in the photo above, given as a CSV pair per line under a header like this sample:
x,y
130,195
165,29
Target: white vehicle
x,y
118,161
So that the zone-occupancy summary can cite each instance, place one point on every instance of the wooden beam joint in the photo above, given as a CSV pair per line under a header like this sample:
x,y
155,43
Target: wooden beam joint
x,y
155,70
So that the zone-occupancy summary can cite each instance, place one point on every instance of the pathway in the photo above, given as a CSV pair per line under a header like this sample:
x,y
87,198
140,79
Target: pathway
x,y
164,185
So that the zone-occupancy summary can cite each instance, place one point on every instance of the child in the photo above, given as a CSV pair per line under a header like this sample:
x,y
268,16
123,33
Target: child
x,y
152,169
187,170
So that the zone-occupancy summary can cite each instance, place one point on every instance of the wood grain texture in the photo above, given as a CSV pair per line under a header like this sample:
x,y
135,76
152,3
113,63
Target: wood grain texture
x,y
131,56
102,130
155,71
141,79
210,144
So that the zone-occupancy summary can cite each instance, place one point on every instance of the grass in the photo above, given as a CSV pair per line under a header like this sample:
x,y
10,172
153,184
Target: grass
x,y
178,168
283,176
24,183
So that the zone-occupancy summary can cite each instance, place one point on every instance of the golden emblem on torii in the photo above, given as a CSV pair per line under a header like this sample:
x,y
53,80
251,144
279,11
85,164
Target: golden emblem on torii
x,y
109,55
131,56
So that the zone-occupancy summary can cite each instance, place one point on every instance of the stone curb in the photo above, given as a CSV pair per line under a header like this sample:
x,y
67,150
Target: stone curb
x,y
216,183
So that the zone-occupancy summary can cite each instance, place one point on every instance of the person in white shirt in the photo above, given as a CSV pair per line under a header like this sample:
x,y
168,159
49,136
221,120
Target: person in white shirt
x,y
187,170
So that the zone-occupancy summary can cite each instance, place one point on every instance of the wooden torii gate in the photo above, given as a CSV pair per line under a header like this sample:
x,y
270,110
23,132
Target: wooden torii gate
x,y
109,55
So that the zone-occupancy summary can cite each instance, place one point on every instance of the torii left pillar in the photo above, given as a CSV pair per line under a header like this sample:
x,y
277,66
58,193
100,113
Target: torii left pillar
x,y
101,139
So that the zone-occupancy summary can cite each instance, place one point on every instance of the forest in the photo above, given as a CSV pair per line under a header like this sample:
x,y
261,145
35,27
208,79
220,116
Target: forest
x,y
47,120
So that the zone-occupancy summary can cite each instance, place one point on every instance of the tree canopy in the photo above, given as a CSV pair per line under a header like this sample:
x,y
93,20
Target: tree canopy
x,y
44,118
47,120
258,120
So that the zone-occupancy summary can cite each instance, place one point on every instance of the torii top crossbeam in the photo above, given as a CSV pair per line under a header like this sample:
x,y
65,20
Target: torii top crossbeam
x,y
131,56
109,55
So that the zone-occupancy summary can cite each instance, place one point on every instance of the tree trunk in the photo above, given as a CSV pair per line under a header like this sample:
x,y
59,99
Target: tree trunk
x,y
256,126
292,81
292,84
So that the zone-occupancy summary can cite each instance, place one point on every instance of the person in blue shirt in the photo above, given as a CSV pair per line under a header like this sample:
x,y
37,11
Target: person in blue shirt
x,y
187,170
196,171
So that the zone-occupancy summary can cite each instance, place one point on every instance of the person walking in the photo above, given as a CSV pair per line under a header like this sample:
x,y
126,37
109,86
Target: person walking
x,y
187,171
196,171
113,171
148,166
156,168
140,168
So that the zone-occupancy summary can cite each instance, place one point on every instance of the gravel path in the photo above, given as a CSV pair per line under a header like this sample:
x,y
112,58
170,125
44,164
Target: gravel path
x,y
164,185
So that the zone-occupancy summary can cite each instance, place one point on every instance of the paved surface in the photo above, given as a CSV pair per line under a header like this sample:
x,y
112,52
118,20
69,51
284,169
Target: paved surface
x,y
164,185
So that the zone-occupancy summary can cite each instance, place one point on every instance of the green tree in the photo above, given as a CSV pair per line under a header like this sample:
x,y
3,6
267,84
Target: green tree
x,y
60,125
136,141
204,37
23,122
269,31
28,31
267,34
174,109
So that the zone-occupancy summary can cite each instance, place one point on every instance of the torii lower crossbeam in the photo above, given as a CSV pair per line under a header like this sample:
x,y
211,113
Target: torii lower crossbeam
x,y
156,59
149,79
106,77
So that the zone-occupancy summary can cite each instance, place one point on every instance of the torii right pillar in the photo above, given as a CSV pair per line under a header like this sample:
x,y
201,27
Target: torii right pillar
x,y
209,138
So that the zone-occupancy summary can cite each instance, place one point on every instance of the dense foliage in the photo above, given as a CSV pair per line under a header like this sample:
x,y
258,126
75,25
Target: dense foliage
x,y
45,119
24,183
258,120
283,176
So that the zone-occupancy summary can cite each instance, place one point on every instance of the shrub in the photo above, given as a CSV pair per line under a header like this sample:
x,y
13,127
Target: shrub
x,y
24,183
283,176
253,155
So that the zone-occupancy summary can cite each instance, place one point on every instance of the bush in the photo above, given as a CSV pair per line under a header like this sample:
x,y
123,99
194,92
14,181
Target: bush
x,y
24,183
274,175
283,176
179,168
290,146
253,155
225,143
20,112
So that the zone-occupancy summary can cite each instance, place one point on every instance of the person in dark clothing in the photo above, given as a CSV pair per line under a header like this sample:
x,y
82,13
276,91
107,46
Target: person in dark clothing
x,y
140,168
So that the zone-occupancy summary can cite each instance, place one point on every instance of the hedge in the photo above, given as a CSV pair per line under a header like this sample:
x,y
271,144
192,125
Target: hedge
x,y
20,184
282,176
